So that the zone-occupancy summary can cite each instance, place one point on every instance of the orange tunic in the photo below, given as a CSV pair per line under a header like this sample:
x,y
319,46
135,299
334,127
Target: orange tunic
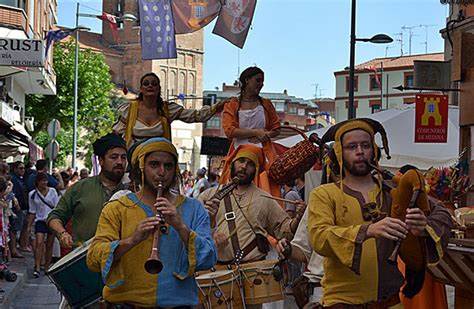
x,y
230,122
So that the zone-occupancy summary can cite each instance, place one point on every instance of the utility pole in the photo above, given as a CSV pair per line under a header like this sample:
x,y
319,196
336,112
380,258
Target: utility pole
x,y
316,86
410,35
426,36
400,34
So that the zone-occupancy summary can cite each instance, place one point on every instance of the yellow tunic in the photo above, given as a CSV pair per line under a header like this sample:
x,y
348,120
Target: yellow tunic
x,y
356,271
126,280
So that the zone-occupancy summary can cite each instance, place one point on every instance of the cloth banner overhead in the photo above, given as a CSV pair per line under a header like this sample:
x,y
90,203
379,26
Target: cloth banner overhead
x,y
157,30
431,118
234,21
190,16
112,21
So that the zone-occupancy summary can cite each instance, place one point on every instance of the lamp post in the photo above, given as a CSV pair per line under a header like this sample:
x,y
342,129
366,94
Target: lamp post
x,y
128,17
377,39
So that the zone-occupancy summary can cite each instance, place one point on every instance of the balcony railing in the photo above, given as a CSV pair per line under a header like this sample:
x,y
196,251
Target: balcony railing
x,y
13,17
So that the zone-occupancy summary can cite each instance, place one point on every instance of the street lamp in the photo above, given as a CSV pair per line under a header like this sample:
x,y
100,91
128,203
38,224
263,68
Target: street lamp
x,y
377,39
128,17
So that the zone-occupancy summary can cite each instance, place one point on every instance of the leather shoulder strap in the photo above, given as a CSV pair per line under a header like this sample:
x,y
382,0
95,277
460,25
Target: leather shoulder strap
x,y
231,225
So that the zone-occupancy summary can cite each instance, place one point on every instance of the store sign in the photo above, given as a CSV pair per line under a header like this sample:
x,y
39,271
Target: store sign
x,y
23,53
431,119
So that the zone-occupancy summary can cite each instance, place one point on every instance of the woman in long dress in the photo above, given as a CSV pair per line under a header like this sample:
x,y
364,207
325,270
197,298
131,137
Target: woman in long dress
x,y
252,119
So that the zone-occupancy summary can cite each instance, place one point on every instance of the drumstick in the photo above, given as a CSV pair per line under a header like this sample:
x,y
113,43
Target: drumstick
x,y
281,199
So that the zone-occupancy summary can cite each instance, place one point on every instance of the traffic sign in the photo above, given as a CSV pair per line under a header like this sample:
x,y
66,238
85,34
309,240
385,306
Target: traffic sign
x,y
52,150
53,128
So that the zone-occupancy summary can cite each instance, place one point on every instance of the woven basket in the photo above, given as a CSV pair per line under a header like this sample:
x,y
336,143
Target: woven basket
x,y
295,161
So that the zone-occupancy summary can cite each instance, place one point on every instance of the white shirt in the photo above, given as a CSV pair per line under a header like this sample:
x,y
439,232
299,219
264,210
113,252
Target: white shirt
x,y
300,240
250,119
38,207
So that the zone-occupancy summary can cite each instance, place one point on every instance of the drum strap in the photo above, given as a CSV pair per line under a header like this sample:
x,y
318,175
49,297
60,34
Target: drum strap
x,y
232,227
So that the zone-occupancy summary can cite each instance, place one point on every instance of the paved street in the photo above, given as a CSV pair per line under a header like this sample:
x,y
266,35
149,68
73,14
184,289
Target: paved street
x,y
36,292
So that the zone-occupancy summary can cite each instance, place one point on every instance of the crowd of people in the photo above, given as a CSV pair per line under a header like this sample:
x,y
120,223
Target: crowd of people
x,y
28,193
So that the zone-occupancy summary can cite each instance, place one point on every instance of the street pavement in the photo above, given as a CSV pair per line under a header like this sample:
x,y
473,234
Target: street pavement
x,y
29,292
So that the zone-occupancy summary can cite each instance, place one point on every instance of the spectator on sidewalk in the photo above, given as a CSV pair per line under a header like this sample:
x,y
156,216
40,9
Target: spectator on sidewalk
x,y
42,200
299,182
21,194
42,167
84,173
4,190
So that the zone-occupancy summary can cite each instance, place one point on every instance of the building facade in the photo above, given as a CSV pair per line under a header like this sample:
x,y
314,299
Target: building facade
x,y
374,83
20,20
180,76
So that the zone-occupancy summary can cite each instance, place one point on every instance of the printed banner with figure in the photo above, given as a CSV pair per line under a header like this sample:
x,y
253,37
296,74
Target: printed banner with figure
x,y
431,118
157,30
190,16
234,21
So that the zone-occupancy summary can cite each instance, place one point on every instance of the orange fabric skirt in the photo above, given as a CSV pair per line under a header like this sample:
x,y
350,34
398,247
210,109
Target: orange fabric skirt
x,y
431,296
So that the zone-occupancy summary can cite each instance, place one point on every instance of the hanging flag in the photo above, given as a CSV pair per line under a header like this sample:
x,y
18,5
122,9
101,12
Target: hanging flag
x,y
53,36
234,21
431,118
190,16
112,21
157,30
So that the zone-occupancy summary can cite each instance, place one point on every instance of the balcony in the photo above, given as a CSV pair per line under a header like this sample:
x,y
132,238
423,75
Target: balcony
x,y
13,18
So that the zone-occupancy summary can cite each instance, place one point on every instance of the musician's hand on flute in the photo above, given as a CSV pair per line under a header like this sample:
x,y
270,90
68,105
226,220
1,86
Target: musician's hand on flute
x,y
144,229
169,212
212,206
416,221
389,228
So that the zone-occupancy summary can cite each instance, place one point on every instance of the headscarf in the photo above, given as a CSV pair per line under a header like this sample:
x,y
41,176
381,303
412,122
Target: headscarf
x,y
152,145
107,142
251,152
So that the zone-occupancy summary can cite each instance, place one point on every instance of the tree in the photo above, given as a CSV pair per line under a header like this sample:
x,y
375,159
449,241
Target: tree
x,y
94,110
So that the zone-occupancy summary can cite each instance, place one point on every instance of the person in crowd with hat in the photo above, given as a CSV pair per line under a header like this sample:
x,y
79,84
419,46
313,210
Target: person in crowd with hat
x,y
151,116
124,238
83,202
245,217
251,119
348,223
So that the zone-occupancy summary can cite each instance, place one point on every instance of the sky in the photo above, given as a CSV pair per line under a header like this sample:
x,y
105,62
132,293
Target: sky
x,y
301,43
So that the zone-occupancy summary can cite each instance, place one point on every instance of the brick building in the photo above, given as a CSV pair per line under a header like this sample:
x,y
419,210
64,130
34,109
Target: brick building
x,y
21,20
178,76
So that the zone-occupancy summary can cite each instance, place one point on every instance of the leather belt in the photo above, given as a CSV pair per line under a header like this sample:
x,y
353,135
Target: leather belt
x,y
249,248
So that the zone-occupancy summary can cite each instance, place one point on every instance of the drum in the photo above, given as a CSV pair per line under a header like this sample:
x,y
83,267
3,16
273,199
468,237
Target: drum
x,y
219,289
80,286
260,286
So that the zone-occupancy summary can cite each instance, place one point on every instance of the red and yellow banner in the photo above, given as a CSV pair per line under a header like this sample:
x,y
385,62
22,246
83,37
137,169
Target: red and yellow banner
x,y
431,118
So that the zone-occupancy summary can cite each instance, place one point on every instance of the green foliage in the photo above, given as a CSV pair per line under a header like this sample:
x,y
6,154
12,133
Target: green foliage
x,y
95,114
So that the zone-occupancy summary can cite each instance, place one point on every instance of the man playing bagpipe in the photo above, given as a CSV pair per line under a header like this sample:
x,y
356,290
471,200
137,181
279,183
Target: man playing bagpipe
x,y
129,234
351,224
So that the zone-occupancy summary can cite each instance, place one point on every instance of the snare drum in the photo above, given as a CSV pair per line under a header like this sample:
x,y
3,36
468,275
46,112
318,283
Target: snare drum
x,y
80,286
219,289
260,286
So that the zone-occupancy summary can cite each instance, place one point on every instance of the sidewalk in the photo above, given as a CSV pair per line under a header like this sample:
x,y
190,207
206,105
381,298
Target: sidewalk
x,y
27,291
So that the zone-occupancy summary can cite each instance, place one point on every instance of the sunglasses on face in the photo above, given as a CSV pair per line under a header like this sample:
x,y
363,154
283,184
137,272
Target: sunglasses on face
x,y
147,83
